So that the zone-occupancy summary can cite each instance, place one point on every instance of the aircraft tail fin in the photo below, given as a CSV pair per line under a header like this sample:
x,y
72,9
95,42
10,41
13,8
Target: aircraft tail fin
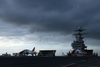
x,y
71,51
33,49
63,53
21,52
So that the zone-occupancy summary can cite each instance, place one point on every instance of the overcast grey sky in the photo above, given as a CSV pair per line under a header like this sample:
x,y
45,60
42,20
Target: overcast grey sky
x,y
49,20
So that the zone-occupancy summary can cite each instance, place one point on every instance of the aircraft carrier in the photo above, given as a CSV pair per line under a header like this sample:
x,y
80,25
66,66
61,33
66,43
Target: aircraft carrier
x,y
54,61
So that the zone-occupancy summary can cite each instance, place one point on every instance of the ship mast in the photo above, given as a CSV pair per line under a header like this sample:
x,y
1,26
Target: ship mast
x,y
79,39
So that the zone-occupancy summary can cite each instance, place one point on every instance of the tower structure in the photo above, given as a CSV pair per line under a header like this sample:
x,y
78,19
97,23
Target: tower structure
x,y
79,43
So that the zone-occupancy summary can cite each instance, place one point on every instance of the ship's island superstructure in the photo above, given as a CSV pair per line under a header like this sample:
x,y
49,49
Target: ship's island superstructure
x,y
78,45
79,39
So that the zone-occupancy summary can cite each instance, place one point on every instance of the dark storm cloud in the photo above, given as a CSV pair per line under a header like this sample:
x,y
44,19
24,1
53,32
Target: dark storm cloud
x,y
61,16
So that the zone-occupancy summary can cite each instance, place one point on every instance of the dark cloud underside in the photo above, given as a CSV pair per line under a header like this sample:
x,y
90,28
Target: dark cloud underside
x,y
61,16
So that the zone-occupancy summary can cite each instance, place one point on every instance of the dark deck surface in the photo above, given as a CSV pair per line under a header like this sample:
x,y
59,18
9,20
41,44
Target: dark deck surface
x,y
92,62
38,61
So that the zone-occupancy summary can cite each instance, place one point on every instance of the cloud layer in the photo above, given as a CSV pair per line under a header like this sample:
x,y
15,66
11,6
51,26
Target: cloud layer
x,y
53,16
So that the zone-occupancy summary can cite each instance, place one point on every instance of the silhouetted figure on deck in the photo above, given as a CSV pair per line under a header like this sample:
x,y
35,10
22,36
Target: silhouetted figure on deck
x,y
94,54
